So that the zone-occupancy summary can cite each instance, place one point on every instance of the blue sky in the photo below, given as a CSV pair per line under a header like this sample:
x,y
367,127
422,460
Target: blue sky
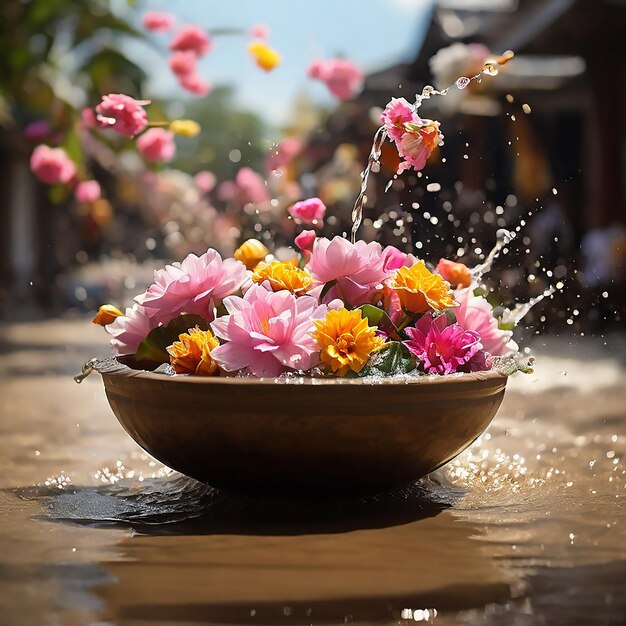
x,y
372,33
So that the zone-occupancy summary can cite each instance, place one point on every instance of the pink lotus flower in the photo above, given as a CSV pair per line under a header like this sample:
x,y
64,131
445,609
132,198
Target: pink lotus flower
x,y
252,186
476,313
205,181
183,63
195,84
52,165
309,211
192,38
88,191
157,21
122,114
446,349
129,330
157,145
357,267
193,286
260,31
305,240
268,332
343,78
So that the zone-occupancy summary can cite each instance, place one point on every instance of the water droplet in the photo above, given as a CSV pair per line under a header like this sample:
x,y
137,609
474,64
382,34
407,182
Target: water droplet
x,y
490,69
526,108
462,82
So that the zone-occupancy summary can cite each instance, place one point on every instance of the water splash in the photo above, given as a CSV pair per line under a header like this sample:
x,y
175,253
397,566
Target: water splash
x,y
503,237
512,317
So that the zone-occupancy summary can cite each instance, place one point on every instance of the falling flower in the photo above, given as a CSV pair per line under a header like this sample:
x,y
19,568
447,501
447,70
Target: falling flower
x,y
346,340
420,290
130,329
446,349
266,58
397,113
279,275
183,63
157,145
260,31
87,191
457,274
185,128
122,113
205,181
305,240
309,211
342,77
191,38
193,286
195,84
251,253
191,354
52,165
268,332
106,314
252,186
158,22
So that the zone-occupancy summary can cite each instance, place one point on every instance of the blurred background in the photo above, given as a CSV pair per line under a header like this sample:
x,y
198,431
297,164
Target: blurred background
x,y
539,148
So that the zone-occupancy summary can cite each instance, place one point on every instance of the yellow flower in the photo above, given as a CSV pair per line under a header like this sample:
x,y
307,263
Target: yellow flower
x,y
420,290
185,128
106,315
266,58
251,253
191,354
346,340
283,275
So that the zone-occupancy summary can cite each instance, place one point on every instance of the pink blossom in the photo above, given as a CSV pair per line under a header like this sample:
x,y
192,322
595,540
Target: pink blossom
x,y
226,190
122,114
193,286
129,330
88,118
476,313
357,267
252,186
444,349
268,332
38,130
52,165
305,240
183,63
192,38
195,84
157,21
394,259
157,145
260,31
88,191
205,181
309,211
284,153
342,77
317,69
397,113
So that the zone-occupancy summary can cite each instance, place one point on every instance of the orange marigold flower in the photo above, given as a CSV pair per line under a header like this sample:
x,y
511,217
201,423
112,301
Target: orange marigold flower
x,y
266,58
106,315
251,253
283,275
457,274
346,340
191,354
420,290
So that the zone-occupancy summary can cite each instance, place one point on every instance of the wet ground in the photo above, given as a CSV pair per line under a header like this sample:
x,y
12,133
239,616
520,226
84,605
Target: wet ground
x,y
527,527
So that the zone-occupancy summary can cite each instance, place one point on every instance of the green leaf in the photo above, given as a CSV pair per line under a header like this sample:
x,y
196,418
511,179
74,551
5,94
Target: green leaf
x,y
327,287
393,359
154,347
376,316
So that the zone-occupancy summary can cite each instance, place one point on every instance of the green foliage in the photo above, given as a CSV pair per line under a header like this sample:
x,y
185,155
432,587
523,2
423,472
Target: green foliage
x,y
393,359
376,316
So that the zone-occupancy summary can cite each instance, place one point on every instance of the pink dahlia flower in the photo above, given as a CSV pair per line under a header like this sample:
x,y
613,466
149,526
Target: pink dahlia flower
x,y
305,240
156,21
309,211
268,332
52,165
193,286
397,113
157,145
476,313
192,38
129,330
195,84
446,349
183,63
122,114
252,186
205,181
88,191
357,267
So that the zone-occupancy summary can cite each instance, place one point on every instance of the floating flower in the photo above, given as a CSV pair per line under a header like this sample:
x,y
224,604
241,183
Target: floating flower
x,y
185,128
305,240
268,332
195,84
52,165
260,31
446,349
346,340
476,313
251,253
122,113
266,58
457,274
309,211
420,290
193,39
191,354
130,329
205,181
158,22
106,314
183,63
157,145
342,77
283,275
88,191
193,286
396,114
252,186
357,268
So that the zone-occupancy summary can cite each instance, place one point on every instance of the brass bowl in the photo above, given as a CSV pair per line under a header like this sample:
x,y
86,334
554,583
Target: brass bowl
x,y
324,435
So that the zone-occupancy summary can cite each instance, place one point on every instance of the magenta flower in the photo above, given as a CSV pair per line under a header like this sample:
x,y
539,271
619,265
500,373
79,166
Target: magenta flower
x,y
122,114
157,145
268,332
129,330
397,113
183,63
156,21
342,77
357,267
305,240
446,349
195,84
394,259
205,181
309,211
476,313
193,286
192,38
52,165
251,186
88,118
88,191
